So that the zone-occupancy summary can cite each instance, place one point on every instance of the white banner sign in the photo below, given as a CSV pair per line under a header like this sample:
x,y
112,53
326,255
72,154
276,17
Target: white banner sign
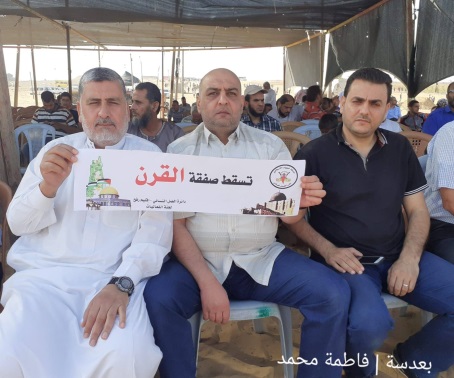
x,y
143,180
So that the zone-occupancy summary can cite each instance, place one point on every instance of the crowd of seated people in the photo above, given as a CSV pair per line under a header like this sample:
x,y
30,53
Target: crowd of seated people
x,y
341,229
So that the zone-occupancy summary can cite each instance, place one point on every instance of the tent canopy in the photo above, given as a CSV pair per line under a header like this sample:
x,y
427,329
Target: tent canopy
x,y
172,23
375,33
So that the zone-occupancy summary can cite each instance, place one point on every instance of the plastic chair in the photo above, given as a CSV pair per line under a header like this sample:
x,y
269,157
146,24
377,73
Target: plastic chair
x,y
405,127
291,125
311,131
395,302
292,140
418,141
36,135
255,310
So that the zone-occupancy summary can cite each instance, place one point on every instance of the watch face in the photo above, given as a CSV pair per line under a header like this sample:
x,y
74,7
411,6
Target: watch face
x,y
126,283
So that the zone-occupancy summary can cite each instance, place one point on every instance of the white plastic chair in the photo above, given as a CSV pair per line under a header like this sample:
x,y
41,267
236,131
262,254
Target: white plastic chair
x,y
394,302
311,131
255,311
36,135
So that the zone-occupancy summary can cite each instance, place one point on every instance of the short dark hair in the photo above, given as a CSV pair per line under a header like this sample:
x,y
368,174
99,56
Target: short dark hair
x,y
47,96
312,92
373,75
175,101
412,102
99,74
327,123
153,92
66,94
183,98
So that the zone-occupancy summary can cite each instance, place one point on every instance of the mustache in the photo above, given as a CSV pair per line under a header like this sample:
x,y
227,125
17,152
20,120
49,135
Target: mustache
x,y
104,121
363,119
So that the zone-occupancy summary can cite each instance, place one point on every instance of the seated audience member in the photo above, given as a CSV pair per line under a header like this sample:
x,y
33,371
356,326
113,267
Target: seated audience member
x,y
389,125
195,118
299,96
146,103
441,103
286,111
175,113
74,307
327,123
268,108
312,108
368,175
194,104
66,102
394,110
327,105
335,101
53,114
440,193
222,257
255,105
441,116
186,108
336,109
413,119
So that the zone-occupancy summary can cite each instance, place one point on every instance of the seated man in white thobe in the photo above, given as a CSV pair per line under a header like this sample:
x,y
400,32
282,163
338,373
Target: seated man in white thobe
x,y
74,307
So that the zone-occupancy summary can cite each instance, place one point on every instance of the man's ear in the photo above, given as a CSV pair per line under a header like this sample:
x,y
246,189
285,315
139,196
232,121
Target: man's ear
x,y
342,103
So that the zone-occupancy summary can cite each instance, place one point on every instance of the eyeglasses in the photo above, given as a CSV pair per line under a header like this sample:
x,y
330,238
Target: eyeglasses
x,y
451,91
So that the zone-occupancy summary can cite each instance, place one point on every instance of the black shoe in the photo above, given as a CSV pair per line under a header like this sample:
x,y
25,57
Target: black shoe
x,y
399,361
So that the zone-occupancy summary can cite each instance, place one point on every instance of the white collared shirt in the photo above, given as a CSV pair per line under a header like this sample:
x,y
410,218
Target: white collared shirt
x,y
246,240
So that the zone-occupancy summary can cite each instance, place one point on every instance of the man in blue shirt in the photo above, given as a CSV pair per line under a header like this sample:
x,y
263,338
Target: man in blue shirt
x,y
441,116
394,111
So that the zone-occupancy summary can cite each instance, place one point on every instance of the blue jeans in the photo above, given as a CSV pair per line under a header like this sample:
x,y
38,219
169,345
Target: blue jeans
x,y
370,321
319,294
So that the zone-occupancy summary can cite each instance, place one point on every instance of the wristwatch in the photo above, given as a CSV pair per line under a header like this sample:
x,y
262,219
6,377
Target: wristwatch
x,y
123,284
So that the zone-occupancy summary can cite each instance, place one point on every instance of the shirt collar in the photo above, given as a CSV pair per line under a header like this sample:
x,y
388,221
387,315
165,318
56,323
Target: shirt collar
x,y
381,138
207,133
119,146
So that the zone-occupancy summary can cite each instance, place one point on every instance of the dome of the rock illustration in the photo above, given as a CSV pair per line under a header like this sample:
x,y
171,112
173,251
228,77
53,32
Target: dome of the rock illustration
x,y
108,190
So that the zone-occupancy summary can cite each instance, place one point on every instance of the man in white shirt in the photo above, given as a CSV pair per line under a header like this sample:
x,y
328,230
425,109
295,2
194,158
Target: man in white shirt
x,y
270,94
387,124
221,257
74,307
440,192
286,110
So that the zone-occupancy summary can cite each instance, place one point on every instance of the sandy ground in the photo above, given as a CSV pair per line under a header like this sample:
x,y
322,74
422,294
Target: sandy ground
x,y
235,350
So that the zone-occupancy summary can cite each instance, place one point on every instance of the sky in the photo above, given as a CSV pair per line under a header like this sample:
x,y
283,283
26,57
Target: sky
x,y
254,64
